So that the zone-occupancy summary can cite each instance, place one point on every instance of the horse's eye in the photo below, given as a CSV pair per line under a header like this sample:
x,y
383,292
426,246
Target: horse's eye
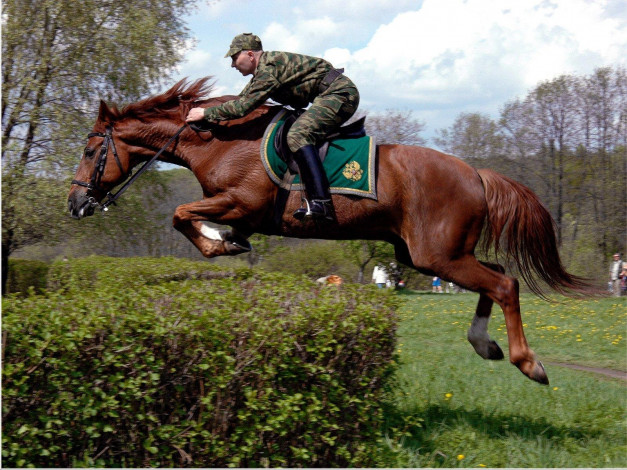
x,y
89,152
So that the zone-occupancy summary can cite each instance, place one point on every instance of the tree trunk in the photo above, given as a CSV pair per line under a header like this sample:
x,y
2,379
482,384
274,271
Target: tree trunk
x,y
6,249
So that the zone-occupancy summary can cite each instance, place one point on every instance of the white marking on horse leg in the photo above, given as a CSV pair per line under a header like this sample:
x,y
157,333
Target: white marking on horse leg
x,y
479,337
210,233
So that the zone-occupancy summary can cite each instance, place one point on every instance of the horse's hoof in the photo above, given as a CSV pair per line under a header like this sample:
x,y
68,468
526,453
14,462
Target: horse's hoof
x,y
488,349
495,353
539,374
236,248
244,246
533,369
234,244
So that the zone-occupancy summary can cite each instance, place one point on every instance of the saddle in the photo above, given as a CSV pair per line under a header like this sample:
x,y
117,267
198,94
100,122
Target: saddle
x,y
348,131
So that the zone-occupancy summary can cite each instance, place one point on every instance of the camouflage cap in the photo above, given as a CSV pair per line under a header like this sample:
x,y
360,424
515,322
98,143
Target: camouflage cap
x,y
244,42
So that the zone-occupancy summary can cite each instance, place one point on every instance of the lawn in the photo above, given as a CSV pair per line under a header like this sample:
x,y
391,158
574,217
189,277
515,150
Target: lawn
x,y
453,409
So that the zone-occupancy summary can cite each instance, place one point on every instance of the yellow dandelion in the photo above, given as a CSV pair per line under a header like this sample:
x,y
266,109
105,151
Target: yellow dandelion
x,y
482,465
448,395
460,457
555,388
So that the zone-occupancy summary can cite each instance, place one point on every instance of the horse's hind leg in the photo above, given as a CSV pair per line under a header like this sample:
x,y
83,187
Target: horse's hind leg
x,y
497,287
478,335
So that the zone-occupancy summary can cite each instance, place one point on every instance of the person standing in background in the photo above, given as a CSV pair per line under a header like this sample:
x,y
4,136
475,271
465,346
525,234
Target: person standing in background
x,y
616,268
380,276
623,280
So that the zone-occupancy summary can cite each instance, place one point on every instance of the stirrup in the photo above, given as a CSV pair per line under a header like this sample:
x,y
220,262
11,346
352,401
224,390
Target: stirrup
x,y
303,212
318,209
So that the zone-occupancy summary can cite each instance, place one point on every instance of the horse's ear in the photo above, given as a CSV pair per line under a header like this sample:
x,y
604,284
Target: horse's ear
x,y
104,113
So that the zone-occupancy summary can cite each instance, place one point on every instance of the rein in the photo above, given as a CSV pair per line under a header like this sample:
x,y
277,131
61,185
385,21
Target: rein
x,y
102,161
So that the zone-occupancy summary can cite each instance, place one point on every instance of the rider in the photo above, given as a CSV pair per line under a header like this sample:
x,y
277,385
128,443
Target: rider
x,y
295,80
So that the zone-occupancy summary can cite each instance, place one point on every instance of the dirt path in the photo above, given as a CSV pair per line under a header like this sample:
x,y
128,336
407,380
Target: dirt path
x,y
616,374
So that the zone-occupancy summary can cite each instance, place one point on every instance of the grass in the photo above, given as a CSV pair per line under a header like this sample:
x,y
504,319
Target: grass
x,y
453,409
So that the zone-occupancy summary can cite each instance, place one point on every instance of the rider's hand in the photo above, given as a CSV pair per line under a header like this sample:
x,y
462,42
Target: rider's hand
x,y
195,114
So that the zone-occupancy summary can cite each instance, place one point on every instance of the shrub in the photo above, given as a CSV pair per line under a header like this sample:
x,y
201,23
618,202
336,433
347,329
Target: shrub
x,y
101,272
239,370
25,275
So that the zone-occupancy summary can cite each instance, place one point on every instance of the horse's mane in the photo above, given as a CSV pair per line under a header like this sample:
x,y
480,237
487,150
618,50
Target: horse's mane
x,y
181,92
176,102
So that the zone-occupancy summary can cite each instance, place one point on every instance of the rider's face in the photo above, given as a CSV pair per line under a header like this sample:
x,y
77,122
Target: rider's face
x,y
244,61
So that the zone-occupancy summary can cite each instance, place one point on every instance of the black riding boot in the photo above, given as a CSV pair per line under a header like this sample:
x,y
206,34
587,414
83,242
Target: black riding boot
x,y
312,175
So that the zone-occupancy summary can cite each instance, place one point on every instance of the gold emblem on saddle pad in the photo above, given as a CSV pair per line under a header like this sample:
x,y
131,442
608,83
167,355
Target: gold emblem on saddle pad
x,y
352,171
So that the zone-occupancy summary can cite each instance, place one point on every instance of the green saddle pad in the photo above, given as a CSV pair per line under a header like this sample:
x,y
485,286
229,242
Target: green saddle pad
x,y
349,163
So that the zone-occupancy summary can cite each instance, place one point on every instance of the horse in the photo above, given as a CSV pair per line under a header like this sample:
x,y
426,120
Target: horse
x,y
432,207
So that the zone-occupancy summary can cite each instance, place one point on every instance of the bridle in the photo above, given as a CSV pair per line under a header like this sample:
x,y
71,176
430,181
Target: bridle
x,y
99,169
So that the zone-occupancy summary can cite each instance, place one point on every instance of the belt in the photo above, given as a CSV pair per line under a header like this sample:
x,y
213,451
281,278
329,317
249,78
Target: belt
x,y
329,78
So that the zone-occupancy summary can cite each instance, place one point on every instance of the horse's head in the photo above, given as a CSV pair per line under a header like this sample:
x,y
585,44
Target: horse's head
x,y
113,147
105,163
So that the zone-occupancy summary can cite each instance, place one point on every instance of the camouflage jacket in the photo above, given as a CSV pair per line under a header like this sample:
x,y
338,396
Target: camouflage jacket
x,y
287,78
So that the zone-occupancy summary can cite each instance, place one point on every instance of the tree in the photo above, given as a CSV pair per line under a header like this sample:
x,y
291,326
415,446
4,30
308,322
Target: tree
x,y
395,127
362,252
565,140
554,109
567,135
603,100
473,136
516,125
59,57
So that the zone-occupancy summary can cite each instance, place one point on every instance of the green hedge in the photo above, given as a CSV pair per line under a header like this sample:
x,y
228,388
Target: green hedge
x,y
25,275
127,365
101,272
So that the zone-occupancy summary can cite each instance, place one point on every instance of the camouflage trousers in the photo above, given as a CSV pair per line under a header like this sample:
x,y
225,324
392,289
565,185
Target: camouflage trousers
x,y
329,110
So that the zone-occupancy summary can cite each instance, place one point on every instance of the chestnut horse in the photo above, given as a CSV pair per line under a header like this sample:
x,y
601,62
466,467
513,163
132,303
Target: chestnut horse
x,y
432,207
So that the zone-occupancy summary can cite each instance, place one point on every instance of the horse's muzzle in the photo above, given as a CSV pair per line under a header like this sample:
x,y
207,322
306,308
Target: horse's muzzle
x,y
81,205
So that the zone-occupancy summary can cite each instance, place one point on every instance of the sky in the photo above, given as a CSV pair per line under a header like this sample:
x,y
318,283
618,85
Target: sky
x,y
436,58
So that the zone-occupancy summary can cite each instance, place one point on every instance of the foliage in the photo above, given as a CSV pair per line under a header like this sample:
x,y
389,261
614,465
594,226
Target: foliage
x,y
362,252
472,135
313,260
395,127
453,409
26,275
58,58
566,140
163,362
133,227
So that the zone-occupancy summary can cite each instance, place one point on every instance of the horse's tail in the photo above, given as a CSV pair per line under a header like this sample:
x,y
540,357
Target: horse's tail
x,y
528,230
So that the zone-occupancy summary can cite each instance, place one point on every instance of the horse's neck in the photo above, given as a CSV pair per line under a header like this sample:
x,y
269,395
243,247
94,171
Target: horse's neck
x,y
154,136
189,147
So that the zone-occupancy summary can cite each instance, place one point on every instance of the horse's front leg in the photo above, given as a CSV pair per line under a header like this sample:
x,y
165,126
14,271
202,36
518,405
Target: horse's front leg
x,y
209,241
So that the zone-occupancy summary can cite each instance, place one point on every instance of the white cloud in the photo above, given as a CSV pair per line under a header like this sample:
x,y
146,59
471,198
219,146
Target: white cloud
x,y
436,57
195,62
479,53
337,56
277,37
